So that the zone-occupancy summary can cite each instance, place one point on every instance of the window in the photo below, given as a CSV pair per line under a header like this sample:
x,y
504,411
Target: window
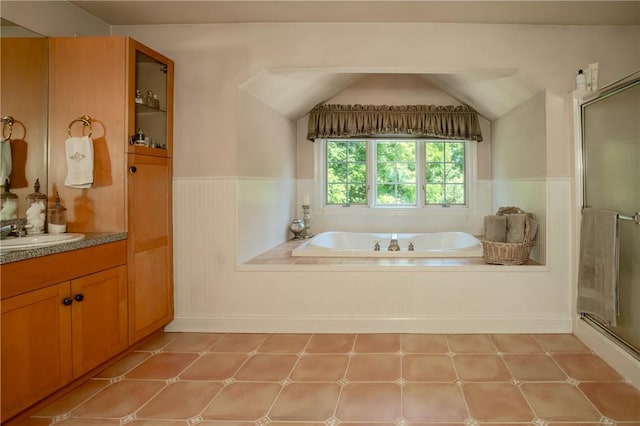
x,y
444,173
346,172
395,172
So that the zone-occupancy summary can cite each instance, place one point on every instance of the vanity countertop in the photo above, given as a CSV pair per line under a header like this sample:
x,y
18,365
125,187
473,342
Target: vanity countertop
x,y
91,239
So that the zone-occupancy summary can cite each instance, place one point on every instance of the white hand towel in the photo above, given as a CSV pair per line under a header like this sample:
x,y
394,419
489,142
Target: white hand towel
x,y
79,153
6,164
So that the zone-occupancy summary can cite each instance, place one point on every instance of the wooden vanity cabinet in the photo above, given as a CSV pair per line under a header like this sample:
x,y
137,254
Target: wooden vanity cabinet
x,y
62,315
101,77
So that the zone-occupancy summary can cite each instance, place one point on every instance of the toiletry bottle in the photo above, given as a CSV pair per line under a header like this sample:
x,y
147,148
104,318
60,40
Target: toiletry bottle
x,y
8,203
36,210
581,81
57,218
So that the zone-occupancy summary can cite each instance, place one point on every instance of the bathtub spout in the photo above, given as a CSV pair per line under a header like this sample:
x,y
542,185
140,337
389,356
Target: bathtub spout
x,y
393,245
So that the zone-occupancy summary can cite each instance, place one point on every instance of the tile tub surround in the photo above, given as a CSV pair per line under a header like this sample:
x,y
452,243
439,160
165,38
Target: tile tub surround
x,y
281,255
90,239
330,379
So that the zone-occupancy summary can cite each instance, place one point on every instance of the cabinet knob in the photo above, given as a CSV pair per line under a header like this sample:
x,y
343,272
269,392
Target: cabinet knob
x,y
67,301
133,169
79,297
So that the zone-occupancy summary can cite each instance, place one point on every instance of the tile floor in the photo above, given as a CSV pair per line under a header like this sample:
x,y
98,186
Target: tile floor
x,y
348,379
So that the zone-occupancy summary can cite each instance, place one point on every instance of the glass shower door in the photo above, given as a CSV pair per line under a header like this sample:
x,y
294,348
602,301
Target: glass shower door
x,y
611,152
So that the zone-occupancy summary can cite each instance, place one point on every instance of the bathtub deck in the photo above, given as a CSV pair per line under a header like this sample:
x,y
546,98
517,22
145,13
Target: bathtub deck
x,y
281,255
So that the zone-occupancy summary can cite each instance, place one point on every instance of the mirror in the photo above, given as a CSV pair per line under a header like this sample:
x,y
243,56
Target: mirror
x,y
23,98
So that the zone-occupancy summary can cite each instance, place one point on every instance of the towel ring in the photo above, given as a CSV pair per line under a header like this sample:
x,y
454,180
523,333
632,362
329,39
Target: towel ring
x,y
86,122
7,122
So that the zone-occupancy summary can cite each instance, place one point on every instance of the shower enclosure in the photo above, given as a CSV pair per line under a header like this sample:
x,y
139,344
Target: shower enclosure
x,y
611,181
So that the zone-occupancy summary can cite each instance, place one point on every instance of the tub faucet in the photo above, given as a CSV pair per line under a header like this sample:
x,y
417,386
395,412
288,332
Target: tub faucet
x,y
393,245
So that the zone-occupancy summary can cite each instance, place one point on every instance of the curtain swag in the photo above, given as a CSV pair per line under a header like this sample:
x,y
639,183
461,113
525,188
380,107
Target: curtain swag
x,y
434,121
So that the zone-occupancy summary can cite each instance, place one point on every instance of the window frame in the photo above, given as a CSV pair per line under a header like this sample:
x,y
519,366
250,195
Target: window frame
x,y
371,207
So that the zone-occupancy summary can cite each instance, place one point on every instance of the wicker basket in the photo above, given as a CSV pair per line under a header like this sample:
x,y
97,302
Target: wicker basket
x,y
506,253
498,253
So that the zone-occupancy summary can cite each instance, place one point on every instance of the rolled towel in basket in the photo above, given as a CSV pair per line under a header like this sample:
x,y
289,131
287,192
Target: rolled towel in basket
x,y
516,227
495,228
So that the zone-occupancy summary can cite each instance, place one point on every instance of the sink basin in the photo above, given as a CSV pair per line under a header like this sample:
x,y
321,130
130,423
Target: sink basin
x,y
35,241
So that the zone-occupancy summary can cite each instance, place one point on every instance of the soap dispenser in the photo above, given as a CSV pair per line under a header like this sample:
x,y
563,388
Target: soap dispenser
x,y
57,223
36,210
8,203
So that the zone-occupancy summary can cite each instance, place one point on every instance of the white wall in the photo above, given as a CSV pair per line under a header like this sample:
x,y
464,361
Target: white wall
x,y
213,293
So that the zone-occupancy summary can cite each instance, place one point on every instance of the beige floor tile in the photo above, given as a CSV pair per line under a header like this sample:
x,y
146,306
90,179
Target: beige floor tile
x,y
533,368
428,368
180,400
496,402
158,423
214,366
119,399
331,343
560,343
238,343
306,402
481,368
320,368
374,368
433,402
586,367
41,421
267,367
424,343
242,401
470,343
192,342
617,401
125,365
376,343
284,343
559,402
88,422
158,342
74,398
164,365
515,343
364,402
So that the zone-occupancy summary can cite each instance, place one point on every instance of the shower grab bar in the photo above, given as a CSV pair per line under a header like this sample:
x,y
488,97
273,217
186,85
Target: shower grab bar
x,y
635,218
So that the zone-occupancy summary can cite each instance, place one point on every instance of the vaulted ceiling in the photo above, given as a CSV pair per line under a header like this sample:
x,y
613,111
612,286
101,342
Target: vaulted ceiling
x,y
294,92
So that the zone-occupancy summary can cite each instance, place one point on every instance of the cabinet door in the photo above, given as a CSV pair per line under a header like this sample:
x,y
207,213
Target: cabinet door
x,y
150,95
149,245
36,347
99,323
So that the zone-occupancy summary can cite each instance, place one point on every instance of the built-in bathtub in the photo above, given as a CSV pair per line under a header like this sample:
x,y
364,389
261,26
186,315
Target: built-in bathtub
x,y
359,244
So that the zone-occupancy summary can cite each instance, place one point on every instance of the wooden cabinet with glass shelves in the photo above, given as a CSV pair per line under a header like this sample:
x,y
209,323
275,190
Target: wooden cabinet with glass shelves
x,y
152,98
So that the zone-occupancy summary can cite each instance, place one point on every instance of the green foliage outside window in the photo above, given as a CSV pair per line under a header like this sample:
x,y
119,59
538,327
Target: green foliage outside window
x,y
444,172
396,173
346,172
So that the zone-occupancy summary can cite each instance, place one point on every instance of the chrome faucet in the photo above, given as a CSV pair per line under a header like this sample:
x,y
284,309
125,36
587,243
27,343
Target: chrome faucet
x,y
393,245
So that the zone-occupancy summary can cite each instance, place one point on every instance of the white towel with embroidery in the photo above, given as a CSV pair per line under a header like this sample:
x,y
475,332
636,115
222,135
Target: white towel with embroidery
x,y
79,153
6,163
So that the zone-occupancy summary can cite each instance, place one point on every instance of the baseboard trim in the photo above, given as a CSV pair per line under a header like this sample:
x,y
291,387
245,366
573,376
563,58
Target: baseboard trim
x,y
435,325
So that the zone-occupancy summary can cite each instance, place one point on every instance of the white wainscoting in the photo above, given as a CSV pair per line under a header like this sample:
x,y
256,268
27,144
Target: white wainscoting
x,y
214,293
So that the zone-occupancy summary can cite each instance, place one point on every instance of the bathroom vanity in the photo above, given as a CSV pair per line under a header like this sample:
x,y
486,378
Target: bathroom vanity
x,y
71,310
63,314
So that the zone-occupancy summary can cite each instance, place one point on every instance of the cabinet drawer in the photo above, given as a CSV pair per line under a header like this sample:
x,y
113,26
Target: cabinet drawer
x,y
32,274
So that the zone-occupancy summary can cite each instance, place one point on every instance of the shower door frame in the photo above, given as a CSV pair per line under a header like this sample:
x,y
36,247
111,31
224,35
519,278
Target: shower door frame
x,y
607,91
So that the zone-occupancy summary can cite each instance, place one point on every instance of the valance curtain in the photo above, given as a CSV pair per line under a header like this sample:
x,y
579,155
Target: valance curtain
x,y
348,121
